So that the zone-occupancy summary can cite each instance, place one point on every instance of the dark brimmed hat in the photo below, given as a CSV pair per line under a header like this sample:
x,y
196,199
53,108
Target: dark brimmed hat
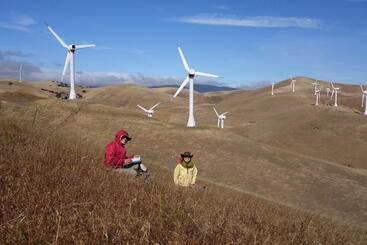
x,y
186,154
125,136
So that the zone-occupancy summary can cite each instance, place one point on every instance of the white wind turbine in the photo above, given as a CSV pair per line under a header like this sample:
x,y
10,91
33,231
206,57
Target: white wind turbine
x,y
293,84
150,111
191,73
317,95
334,91
314,86
221,118
69,59
20,73
272,88
364,99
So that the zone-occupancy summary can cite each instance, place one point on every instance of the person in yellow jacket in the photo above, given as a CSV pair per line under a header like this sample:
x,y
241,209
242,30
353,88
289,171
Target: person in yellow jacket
x,y
185,172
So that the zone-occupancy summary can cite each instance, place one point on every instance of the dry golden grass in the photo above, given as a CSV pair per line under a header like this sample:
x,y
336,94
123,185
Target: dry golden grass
x,y
55,191
280,148
278,152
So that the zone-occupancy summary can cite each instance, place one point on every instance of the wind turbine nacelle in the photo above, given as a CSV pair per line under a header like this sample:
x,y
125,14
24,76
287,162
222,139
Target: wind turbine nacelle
x,y
223,117
150,113
72,47
191,73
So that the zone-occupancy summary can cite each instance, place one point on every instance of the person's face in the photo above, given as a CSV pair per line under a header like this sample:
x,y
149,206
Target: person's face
x,y
187,159
123,141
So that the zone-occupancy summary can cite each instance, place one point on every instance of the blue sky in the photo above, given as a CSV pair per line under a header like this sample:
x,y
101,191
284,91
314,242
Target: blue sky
x,y
245,42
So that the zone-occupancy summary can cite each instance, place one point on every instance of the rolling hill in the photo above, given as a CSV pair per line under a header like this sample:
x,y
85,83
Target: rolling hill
x,y
281,148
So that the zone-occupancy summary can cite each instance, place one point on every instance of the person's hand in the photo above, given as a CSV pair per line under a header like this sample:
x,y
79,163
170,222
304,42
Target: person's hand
x,y
136,155
128,160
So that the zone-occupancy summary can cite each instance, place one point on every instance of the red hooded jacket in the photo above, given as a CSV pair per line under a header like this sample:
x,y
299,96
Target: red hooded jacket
x,y
115,153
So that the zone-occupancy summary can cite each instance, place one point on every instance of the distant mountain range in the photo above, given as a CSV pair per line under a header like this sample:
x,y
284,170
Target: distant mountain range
x,y
201,88
204,88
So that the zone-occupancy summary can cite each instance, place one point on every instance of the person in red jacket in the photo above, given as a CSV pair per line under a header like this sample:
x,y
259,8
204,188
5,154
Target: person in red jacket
x,y
116,157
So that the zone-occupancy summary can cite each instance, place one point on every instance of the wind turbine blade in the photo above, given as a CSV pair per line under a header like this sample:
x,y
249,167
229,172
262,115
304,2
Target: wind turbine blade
x,y
84,46
332,85
57,37
154,106
216,111
224,113
142,108
65,66
187,68
205,74
187,79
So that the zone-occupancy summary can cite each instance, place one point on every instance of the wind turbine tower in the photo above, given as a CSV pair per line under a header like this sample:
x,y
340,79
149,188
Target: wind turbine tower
x,y
20,73
293,84
191,73
69,60
272,88
364,99
317,95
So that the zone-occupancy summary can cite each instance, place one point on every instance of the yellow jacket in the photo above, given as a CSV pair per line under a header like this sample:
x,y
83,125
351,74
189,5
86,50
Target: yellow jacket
x,y
185,176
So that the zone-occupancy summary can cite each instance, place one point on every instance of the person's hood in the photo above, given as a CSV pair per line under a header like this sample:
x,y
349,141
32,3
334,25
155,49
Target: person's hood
x,y
119,134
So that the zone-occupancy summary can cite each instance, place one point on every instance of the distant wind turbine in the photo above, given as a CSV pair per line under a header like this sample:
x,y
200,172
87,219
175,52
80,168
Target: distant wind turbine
x,y
150,111
191,73
69,59
364,99
221,118
272,88
20,73
334,92
317,95
293,84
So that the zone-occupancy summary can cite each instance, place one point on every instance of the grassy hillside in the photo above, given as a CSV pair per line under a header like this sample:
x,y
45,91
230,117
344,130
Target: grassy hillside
x,y
54,190
280,148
